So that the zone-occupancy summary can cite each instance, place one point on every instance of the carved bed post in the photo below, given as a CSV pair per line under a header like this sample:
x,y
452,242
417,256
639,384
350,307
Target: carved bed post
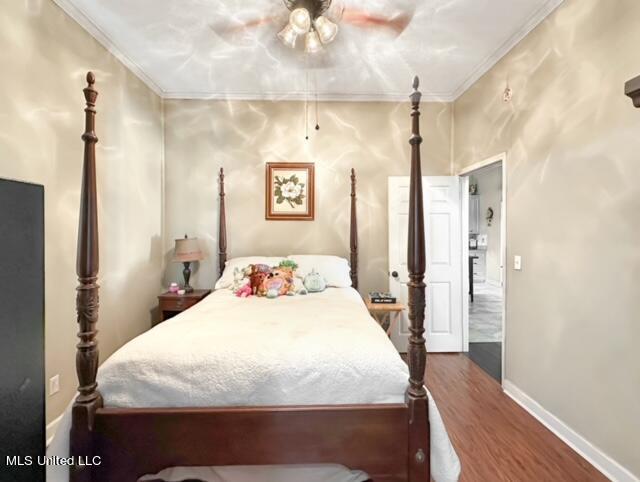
x,y
89,398
417,354
353,235
222,227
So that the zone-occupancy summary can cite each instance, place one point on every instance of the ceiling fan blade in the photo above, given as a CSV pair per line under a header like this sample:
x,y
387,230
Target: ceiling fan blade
x,y
232,28
396,23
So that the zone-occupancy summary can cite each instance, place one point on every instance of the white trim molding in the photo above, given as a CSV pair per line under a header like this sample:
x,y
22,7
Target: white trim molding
x,y
500,159
302,96
52,427
596,457
103,39
484,163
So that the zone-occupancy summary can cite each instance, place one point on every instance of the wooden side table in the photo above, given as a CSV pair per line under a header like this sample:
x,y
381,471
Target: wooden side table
x,y
172,303
385,313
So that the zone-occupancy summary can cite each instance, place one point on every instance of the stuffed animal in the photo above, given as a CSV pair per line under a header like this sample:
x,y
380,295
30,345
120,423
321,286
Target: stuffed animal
x,y
257,275
314,282
279,282
288,263
240,277
245,291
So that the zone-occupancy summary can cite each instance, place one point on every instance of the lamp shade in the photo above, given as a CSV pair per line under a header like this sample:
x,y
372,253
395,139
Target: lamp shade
x,y
300,20
187,249
327,30
288,36
312,42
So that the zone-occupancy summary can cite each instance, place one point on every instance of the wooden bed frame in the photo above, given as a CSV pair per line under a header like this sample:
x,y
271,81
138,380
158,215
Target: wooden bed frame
x,y
388,441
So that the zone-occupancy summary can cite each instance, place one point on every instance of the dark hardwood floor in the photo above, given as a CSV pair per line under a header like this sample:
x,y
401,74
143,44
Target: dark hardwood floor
x,y
487,356
494,437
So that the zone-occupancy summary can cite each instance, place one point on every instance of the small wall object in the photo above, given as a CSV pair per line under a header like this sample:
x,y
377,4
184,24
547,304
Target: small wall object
x,y
473,189
507,95
489,216
289,191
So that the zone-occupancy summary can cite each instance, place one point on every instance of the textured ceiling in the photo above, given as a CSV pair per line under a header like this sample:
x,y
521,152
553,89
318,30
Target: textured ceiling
x,y
181,48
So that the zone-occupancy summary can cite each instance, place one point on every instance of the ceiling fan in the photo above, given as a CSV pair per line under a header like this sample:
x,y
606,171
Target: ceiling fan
x,y
317,22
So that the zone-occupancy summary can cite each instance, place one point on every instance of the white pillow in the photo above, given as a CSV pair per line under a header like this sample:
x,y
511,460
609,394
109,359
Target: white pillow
x,y
226,280
334,270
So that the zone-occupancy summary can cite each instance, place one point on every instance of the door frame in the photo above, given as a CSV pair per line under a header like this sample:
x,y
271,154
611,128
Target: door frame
x,y
464,192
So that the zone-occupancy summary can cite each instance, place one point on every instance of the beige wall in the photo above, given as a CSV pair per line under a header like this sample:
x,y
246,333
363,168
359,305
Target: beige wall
x,y
202,136
47,55
573,142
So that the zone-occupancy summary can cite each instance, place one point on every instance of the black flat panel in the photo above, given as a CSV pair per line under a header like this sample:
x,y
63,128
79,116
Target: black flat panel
x,y
22,426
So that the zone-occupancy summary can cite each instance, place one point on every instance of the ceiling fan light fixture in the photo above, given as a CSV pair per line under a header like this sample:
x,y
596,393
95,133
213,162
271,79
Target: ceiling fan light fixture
x,y
288,36
312,42
327,30
300,20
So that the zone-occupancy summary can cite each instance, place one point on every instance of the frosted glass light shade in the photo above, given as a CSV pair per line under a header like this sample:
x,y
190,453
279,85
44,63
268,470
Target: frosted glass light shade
x,y
327,30
312,42
300,20
288,36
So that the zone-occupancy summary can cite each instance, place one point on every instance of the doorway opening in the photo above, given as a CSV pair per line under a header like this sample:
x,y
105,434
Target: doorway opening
x,y
484,238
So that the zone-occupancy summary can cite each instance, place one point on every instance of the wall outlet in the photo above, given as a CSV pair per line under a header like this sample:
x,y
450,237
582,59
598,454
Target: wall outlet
x,y
54,384
517,263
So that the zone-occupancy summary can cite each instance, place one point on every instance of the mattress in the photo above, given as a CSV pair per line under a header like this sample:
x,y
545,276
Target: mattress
x,y
315,349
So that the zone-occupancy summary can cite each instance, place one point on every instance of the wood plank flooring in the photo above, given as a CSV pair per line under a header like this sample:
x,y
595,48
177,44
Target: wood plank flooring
x,y
494,437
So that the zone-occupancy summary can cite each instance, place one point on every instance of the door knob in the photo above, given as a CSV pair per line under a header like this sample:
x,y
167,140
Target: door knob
x,y
394,274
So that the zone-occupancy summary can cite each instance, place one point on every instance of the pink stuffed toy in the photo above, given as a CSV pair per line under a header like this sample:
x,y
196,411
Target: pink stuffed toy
x,y
245,291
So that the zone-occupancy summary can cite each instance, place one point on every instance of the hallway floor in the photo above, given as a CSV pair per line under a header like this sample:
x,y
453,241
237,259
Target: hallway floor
x,y
485,314
495,438
487,356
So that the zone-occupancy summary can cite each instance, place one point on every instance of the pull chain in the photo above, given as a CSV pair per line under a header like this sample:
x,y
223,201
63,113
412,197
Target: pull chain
x,y
315,76
306,100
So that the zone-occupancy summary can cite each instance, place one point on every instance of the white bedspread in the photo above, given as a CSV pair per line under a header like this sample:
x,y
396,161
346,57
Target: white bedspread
x,y
318,349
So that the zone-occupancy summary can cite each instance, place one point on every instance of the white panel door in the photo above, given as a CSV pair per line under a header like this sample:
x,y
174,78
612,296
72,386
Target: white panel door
x,y
443,323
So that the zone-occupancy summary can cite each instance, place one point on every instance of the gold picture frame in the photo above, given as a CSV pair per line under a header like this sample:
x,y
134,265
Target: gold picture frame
x,y
290,191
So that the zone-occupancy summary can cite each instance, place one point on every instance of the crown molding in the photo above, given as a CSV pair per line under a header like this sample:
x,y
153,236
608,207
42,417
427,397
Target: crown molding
x,y
302,96
81,19
483,67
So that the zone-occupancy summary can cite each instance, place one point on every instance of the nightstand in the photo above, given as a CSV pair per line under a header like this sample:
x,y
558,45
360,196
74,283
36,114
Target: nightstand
x,y
172,303
385,313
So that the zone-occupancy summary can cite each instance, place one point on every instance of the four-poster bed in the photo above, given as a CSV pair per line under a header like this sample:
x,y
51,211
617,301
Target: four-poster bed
x,y
389,441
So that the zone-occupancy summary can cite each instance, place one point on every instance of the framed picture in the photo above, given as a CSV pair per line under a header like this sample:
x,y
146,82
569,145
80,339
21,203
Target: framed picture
x,y
290,191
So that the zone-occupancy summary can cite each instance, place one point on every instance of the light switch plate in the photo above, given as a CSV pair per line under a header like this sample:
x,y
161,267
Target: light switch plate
x,y
54,384
517,263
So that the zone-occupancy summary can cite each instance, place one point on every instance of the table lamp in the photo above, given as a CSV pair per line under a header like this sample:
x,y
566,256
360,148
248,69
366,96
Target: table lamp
x,y
186,251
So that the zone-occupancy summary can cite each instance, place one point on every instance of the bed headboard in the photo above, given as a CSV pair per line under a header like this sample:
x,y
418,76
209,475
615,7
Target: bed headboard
x,y
353,231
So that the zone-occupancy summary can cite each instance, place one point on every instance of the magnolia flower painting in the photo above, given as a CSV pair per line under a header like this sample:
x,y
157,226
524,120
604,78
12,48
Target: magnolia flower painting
x,y
290,191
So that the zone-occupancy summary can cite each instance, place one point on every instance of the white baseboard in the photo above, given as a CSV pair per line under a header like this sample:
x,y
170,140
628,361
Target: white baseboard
x,y
51,429
596,457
